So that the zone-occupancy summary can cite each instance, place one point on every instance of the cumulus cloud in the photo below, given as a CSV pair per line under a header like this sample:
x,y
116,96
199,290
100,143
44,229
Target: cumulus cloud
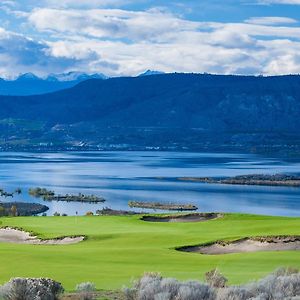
x,y
149,25
19,54
110,23
225,48
121,42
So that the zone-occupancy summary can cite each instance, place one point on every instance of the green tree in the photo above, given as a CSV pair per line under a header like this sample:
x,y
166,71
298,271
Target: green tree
x,y
14,211
2,211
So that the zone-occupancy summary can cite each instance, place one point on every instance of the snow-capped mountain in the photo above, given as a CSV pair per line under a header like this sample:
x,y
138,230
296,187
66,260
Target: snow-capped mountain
x,y
73,76
30,84
151,72
27,77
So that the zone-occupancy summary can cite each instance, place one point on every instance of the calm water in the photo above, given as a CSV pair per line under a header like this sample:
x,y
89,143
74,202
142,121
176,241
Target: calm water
x,y
123,176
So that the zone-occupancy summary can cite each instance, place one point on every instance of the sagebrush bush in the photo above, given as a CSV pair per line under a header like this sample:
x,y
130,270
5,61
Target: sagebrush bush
x,y
193,290
283,284
234,293
153,287
215,279
285,271
31,289
86,290
162,296
85,287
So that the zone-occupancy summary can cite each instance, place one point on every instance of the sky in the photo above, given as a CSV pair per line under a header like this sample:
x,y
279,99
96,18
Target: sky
x,y
127,37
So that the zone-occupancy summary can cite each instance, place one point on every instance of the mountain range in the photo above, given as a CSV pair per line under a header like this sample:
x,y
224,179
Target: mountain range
x,y
30,84
164,111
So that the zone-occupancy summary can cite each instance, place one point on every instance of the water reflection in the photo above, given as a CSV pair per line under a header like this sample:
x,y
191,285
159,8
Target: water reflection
x,y
123,176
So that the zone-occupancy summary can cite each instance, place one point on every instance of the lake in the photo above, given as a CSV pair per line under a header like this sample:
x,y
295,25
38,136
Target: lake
x,y
123,176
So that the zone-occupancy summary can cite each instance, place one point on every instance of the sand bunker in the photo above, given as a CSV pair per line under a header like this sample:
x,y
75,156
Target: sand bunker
x,y
248,245
200,217
10,235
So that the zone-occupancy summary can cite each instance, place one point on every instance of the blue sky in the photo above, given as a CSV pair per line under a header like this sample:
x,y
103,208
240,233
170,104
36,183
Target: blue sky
x,y
126,37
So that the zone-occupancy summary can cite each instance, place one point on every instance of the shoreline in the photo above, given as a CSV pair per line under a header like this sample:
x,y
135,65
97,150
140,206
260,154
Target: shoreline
x,y
253,179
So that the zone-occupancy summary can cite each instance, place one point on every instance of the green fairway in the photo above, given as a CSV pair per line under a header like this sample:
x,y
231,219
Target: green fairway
x,y
119,249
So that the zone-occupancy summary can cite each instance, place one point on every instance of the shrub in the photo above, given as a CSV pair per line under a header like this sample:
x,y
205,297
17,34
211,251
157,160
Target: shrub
x,y
170,286
215,279
89,213
86,290
285,271
234,293
56,214
31,289
129,294
282,284
162,296
195,290
153,287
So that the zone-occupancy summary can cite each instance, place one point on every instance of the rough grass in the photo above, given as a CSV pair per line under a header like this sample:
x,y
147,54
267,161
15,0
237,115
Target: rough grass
x,y
121,248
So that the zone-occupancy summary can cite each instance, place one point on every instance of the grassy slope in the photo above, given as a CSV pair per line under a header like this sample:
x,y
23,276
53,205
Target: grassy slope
x,y
121,248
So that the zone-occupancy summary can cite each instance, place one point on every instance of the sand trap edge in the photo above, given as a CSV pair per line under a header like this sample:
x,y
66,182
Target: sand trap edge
x,y
182,218
246,245
15,235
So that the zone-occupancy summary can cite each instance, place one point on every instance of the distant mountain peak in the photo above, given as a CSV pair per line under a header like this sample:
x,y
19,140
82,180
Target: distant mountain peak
x,y
30,84
74,76
28,76
151,72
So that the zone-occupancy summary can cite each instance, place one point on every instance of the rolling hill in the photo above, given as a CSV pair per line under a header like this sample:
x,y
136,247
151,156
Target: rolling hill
x,y
168,111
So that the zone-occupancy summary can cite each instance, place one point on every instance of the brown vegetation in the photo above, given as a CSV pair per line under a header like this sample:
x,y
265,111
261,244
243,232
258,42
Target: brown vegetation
x,y
162,206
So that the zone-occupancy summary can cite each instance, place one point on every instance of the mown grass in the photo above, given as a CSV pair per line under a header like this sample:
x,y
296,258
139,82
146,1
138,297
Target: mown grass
x,y
120,248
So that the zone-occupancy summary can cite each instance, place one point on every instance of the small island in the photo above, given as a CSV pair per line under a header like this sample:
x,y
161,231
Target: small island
x,y
40,192
75,198
113,212
253,179
21,209
48,195
5,194
162,206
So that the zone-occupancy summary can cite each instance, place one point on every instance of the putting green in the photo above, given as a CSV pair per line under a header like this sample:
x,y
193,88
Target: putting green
x,y
119,249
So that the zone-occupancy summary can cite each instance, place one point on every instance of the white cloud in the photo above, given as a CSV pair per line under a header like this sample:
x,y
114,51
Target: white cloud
x,y
82,3
188,53
109,23
148,26
289,2
19,54
121,42
271,20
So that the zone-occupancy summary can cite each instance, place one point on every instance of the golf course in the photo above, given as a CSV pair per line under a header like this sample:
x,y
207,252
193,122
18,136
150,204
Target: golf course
x,y
118,249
